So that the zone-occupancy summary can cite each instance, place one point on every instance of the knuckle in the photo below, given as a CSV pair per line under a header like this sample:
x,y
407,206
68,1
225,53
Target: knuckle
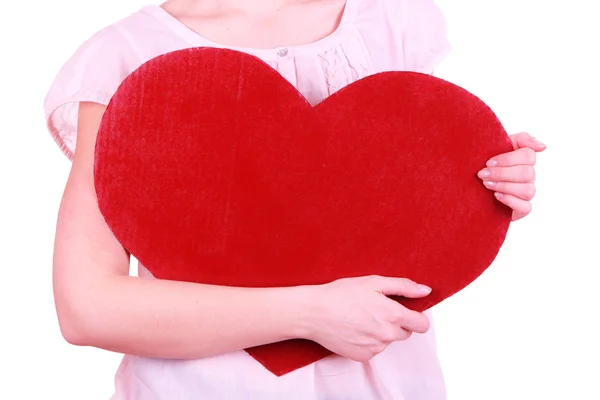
x,y
342,282
530,155
398,317
498,174
529,174
361,280
530,191
406,335
524,209
388,336
405,283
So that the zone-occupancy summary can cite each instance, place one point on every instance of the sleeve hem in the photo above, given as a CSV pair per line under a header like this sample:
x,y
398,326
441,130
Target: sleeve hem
x,y
59,136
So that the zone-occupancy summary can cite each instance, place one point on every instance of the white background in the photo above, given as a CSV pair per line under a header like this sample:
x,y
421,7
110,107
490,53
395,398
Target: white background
x,y
528,329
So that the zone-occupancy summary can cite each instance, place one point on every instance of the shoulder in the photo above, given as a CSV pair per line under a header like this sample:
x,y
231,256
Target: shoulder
x,y
406,34
103,60
99,65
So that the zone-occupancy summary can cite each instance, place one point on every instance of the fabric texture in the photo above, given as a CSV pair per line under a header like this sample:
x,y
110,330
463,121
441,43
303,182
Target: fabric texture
x,y
373,36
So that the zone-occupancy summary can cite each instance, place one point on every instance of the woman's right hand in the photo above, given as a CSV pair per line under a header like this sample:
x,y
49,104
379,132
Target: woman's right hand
x,y
355,319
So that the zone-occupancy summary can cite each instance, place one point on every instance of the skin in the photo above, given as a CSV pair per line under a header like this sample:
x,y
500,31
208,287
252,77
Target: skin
x,y
100,305
512,175
259,24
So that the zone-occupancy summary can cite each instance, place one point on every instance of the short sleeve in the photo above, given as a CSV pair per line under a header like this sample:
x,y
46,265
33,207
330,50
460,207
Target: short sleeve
x,y
92,74
424,35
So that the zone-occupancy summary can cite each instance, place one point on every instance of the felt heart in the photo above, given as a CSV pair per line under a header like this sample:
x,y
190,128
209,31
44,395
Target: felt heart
x,y
211,168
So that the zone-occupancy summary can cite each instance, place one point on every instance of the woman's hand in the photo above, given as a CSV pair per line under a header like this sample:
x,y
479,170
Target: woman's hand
x,y
512,175
355,318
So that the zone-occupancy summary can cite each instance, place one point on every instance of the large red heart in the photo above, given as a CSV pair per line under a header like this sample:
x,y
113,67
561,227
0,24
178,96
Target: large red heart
x,y
211,168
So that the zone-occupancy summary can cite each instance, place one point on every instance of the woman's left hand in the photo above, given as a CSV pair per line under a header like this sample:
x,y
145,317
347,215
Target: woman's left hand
x,y
512,175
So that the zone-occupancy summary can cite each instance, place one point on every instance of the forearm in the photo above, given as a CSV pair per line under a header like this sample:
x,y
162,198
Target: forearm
x,y
99,305
168,319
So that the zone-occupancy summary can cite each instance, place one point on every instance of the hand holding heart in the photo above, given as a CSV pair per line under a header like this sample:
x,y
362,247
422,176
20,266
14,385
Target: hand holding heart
x,y
365,322
211,168
358,321
512,175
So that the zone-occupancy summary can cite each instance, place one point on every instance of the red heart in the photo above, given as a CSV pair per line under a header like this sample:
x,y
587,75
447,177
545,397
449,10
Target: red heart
x,y
211,168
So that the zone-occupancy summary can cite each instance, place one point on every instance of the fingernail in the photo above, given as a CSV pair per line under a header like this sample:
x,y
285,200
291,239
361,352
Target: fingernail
x,y
492,163
484,173
489,184
540,143
425,289
498,195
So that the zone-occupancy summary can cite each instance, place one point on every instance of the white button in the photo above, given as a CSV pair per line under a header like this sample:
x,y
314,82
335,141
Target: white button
x,y
282,52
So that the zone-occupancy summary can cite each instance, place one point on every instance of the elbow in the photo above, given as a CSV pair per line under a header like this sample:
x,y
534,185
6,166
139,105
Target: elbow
x,y
75,321
73,336
83,319
72,333
74,329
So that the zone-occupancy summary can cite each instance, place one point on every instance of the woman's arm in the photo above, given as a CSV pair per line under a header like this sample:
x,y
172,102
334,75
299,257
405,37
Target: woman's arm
x,y
99,305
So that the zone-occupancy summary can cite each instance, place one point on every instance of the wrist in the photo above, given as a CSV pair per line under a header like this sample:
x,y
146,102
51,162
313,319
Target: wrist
x,y
300,310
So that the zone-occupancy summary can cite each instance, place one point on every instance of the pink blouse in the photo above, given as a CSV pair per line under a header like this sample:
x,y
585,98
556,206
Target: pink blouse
x,y
373,36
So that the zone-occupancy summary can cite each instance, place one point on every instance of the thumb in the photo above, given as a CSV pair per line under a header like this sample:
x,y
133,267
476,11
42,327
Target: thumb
x,y
524,139
402,287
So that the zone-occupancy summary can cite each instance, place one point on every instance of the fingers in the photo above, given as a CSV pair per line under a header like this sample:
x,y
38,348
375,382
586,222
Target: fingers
x,y
401,287
394,334
512,175
522,156
517,173
412,321
521,208
523,191
524,139
403,324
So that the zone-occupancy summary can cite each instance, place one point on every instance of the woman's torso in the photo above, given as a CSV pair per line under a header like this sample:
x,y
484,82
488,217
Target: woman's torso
x,y
373,36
